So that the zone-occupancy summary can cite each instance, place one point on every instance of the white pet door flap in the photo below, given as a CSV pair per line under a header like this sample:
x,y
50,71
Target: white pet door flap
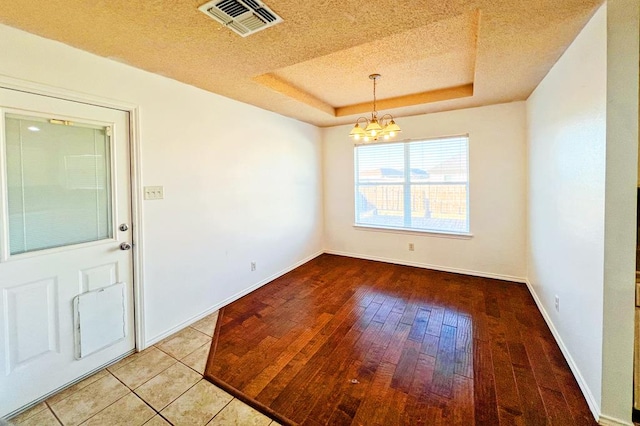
x,y
99,318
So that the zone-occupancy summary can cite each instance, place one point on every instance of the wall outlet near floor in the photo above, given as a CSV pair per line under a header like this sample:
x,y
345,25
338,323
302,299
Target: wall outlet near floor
x,y
253,266
411,247
557,303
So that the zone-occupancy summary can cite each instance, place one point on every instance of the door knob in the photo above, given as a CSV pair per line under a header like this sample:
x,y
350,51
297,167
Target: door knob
x,y
123,227
125,246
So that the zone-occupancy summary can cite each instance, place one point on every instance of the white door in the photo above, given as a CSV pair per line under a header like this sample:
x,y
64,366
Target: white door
x,y
66,283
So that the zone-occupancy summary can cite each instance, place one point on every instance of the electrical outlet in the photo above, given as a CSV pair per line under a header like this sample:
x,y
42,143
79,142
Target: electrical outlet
x,y
253,266
557,303
411,247
153,192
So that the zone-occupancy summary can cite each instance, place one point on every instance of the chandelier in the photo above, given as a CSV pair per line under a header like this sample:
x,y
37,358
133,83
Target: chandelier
x,y
385,127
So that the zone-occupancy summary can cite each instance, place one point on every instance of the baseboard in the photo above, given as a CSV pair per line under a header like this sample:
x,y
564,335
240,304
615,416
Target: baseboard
x,y
430,266
46,396
611,421
591,401
228,300
182,325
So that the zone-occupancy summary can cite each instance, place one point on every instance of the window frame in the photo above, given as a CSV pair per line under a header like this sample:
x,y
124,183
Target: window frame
x,y
406,184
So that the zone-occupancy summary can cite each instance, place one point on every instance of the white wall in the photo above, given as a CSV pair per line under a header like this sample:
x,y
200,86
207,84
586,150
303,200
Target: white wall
x,y
497,179
623,71
566,117
241,184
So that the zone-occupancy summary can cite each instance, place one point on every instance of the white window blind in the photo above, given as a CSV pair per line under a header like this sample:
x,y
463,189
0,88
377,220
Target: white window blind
x,y
420,185
58,183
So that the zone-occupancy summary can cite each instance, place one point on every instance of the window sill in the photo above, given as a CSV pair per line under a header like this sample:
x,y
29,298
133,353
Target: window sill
x,y
455,235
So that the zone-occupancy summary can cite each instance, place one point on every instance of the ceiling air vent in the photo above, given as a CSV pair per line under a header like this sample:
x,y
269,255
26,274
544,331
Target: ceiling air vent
x,y
244,17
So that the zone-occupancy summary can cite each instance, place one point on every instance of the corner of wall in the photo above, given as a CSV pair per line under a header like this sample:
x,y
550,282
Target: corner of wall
x,y
591,400
565,163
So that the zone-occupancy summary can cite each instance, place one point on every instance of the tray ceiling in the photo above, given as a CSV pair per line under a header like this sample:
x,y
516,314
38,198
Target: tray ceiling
x,y
314,66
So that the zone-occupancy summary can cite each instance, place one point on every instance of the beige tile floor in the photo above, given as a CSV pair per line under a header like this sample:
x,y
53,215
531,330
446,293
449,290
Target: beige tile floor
x,y
161,385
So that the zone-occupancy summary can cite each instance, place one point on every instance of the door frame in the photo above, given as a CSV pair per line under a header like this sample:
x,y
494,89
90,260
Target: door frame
x,y
135,177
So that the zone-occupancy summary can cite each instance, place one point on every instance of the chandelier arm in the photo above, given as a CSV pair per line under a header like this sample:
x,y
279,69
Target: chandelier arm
x,y
384,117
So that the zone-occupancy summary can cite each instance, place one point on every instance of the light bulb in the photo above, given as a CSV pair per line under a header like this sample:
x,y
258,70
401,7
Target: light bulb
x,y
392,134
357,137
366,138
373,133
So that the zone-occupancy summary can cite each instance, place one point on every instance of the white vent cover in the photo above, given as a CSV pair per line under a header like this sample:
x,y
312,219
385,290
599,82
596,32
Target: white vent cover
x,y
245,17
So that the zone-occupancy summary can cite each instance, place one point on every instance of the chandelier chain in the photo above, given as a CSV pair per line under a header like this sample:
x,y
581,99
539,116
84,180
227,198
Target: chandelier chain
x,y
375,112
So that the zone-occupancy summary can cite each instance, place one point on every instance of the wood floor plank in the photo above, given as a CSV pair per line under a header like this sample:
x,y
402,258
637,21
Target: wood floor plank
x,y
463,363
508,399
463,394
430,345
355,390
385,310
577,405
410,312
368,315
321,392
373,408
261,356
300,382
422,378
542,371
327,403
442,383
341,341
450,318
396,344
464,333
533,408
346,411
405,369
395,402
435,321
419,326
558,413
258,382
484,392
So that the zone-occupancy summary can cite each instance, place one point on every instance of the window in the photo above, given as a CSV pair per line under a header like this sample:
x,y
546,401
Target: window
x,y
420,186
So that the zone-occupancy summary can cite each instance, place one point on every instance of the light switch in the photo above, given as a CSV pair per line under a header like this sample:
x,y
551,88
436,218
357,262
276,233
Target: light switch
x,y
153,192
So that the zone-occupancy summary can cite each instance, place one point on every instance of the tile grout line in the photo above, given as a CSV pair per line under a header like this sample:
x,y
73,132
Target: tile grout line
x,y
53,412
163,417
172,401
95,414
192,369
46,401
169,339
152,377
132,361
157,413
187,355
220,411
107,372
135,394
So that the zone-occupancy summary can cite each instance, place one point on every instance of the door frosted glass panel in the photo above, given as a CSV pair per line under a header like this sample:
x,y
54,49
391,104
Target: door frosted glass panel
x,y
59,184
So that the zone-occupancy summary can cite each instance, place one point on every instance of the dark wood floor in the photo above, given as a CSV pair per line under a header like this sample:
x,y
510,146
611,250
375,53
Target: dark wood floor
x,y
345,341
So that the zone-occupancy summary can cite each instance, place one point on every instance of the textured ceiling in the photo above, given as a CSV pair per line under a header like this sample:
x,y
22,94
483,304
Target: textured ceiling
x,y
433,55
